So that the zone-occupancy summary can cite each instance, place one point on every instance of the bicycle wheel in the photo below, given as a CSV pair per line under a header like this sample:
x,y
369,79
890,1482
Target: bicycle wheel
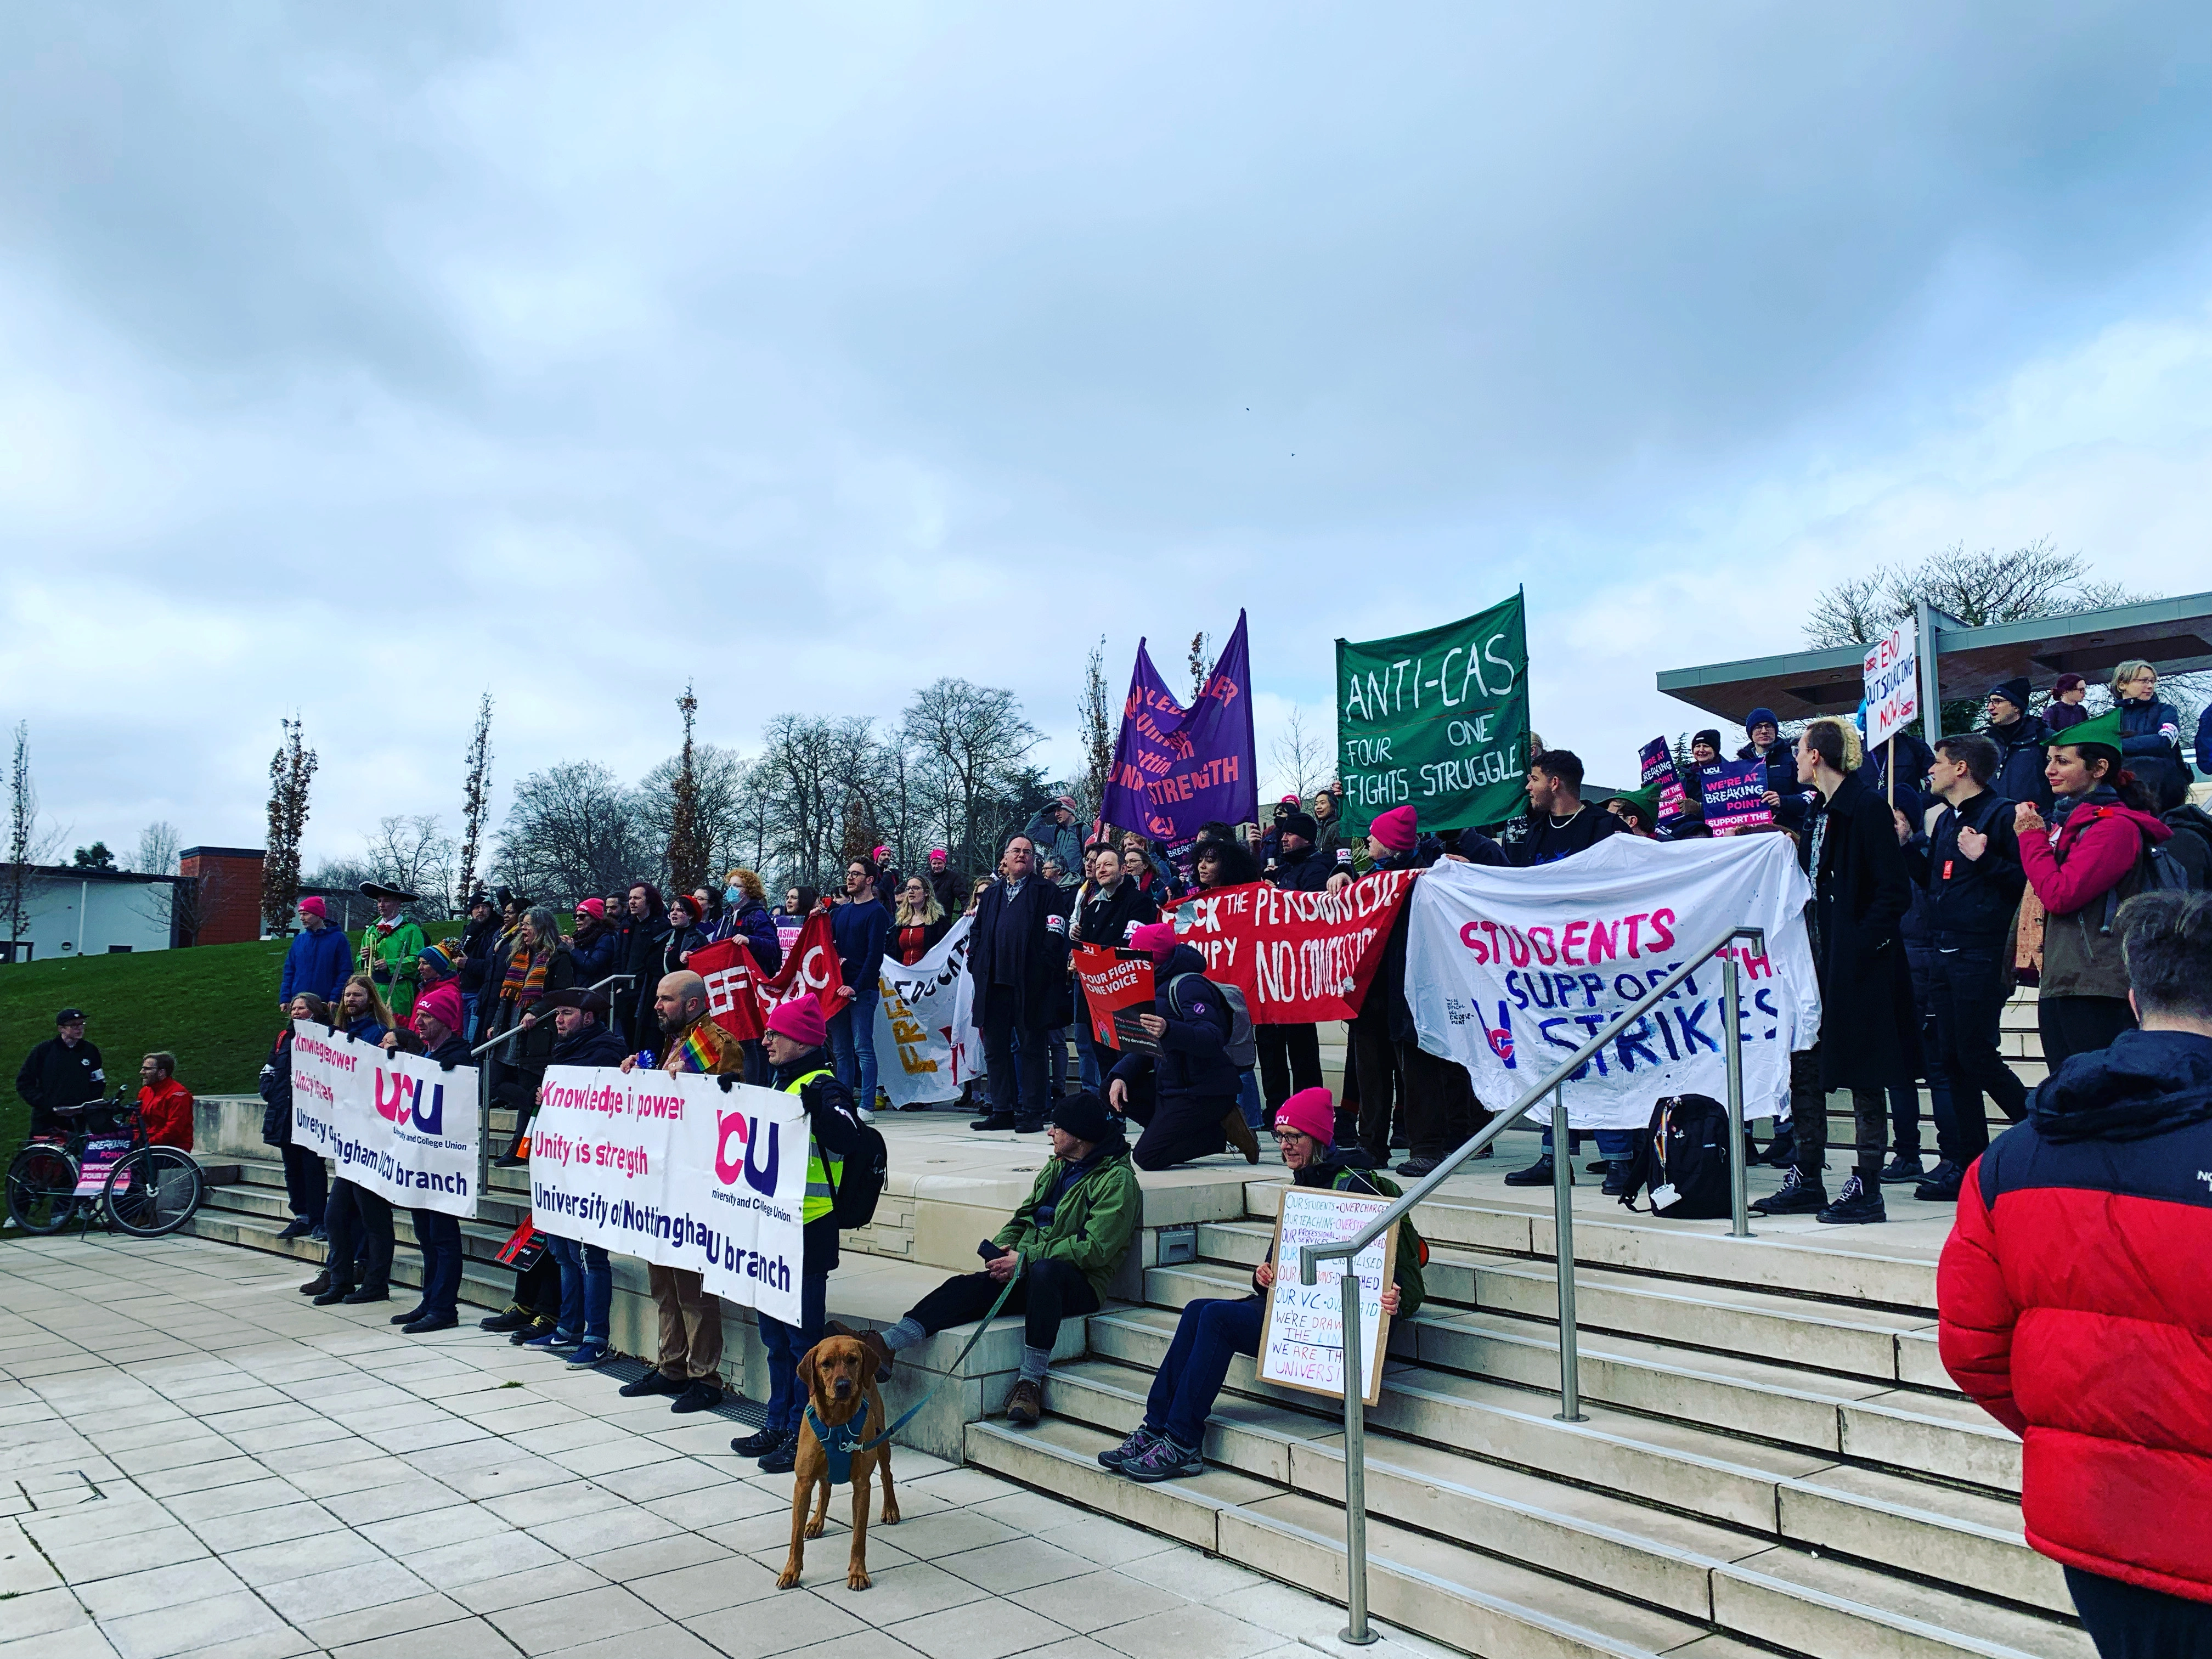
x,y
154,1190
42,1189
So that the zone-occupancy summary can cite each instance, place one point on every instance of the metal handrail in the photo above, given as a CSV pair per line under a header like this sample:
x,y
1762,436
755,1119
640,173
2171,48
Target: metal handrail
x,y
1311,1255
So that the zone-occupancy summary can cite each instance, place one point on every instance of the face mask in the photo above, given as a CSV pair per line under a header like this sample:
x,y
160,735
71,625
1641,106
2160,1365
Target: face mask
x,y
732,894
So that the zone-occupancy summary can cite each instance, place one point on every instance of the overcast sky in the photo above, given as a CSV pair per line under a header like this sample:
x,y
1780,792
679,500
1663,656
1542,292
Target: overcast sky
x,y
356,360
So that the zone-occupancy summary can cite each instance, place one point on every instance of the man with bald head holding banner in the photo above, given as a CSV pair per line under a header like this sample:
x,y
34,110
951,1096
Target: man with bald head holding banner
x,y
691,1320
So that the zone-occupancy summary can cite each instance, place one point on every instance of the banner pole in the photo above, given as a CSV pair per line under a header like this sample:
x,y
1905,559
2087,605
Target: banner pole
x,y
1891,782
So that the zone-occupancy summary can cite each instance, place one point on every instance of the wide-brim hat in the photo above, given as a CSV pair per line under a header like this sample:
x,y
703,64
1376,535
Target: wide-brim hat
x,y
377,889
577,996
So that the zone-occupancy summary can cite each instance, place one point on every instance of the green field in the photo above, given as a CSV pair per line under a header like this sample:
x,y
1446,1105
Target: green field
x,y
214,1008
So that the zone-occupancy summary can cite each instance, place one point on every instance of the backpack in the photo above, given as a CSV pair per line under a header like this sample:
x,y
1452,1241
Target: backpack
x,y
1238,1043
2191,845
1682,1156
2159,869
859,1183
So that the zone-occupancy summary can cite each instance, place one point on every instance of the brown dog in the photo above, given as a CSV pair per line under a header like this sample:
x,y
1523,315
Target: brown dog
x,y
839,1374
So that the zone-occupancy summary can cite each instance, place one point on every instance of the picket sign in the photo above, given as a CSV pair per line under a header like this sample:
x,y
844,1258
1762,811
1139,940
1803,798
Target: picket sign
x,y
926,1045
1734,794
677,1171
402,1127
1302,1338
1893,685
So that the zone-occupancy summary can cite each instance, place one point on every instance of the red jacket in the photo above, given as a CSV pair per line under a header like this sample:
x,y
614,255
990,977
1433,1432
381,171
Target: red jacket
x,y
168,1112
2075,1296
2097,846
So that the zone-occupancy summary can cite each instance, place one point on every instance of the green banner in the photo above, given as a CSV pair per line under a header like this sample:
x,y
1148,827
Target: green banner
x,y
1437,720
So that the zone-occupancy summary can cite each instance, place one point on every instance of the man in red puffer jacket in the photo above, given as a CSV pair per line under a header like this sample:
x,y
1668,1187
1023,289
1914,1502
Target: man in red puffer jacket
x,y
165,1104
2075,1295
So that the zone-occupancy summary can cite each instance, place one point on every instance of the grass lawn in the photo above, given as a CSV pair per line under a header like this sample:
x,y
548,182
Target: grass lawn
x,y
213,1006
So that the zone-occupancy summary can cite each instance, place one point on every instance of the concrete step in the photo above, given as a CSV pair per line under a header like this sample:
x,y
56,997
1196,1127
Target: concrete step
x,y
484,1284
1476,1602
1597,1530
1830,1336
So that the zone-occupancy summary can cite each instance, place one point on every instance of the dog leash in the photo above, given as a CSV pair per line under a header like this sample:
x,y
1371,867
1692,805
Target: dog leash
x,y
951,1371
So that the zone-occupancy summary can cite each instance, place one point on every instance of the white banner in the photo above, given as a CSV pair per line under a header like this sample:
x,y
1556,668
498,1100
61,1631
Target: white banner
x,y
1892,685
1510,971
926,1047
679,1171
402,1127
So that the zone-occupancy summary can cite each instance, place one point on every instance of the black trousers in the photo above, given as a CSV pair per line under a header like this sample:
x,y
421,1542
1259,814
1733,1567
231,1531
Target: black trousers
x,y
1375,1057
2129,1622
1290,1060
1177,1130
360,1225
1017,1092
2080,1025
1808,1122
1441,1109
1046,1293
306,1183
1966,985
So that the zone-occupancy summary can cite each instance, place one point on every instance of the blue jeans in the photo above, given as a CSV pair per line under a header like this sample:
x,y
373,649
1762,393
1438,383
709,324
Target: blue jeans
x,y
1610,1143
587,1287
439,1237
853,1044
1184,1391
1248,1101
787,1345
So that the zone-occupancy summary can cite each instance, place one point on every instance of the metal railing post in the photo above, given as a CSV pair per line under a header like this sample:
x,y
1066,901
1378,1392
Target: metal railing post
x,y
1563,1245
1355,1466
1732,1017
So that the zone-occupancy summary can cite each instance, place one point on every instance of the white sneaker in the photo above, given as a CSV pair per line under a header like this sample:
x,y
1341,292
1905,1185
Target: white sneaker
x,y
867,1116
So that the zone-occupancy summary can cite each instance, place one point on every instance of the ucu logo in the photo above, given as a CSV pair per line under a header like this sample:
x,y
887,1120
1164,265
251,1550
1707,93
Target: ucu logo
x,y
403,1102
761,1178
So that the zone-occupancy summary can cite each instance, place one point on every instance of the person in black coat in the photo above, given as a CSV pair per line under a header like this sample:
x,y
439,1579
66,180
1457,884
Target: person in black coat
x,y
2022,738
1111,906
63,1072
1185,1095
1017,961
1290,1055
477,940
1870,1032
644,932
307,1182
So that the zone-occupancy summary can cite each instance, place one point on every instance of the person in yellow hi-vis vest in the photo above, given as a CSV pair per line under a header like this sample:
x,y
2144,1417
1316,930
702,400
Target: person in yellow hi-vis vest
x,y
795,1046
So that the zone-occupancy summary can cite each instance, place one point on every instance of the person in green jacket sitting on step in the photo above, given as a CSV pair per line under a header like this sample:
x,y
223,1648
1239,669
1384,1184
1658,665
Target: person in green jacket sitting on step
x,y
1060,1249
1171,1440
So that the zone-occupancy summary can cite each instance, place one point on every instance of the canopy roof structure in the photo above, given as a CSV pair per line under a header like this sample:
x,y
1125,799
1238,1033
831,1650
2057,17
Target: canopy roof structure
x,y
2174,633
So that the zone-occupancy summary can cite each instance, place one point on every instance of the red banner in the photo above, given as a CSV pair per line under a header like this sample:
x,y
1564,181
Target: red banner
x,y
1297,956
739,995
1111,983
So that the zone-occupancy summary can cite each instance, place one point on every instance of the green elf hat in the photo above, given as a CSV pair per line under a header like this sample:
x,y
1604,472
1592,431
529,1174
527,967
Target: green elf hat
x,y
2102,732
1646,801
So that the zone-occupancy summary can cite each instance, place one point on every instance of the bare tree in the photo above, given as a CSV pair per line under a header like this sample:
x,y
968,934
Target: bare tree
x,y
1201,665
23,817
1094,711
476,802
291,771
971,743
157,856
573,831
687,840
717,798
414,854
1978,588
1302,763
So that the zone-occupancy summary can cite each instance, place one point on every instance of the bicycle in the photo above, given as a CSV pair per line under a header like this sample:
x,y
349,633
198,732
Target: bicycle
x,y
147,1191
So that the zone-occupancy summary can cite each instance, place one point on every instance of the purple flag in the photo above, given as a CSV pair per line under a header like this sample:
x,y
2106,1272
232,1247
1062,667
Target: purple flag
x,y
1175,767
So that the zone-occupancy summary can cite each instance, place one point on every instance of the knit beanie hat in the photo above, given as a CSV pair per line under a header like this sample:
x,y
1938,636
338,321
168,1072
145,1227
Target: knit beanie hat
x,y
314,905
1310,1112
1085,1116
1299,823
1154,939
799,1019
1395,830
595,907
434,959
1759,717
2014,692
442,1002
1711,735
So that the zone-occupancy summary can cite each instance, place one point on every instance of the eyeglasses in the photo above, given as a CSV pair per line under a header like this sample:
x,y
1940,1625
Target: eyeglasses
x,y
1285,1137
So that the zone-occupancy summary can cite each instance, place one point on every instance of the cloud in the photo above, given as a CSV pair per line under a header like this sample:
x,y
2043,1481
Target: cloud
x,y
354,363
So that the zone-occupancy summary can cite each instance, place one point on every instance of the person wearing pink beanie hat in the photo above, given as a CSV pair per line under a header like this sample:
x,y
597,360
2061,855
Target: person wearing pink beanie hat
x,y
799,1019
442,1004
1167,1444
1395,830
1154,939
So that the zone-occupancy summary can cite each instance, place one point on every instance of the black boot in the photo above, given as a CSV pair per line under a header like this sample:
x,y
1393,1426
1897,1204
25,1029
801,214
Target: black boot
x,y
1538,1174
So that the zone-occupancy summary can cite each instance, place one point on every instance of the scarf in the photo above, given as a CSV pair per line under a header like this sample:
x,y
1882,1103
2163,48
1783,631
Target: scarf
x,y
525,976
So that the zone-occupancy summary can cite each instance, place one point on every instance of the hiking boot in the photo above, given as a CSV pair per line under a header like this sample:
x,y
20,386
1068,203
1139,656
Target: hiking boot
x,y
1942,1184
1798,1196
653,1381
1239,1133
1858,1204
1417,1166
316,1286
758,1444
783,1456
1164,1461
1140,1440
1538,1174
700,1396
1903,1168
511,1318
996,1120
535,1327
1025,1403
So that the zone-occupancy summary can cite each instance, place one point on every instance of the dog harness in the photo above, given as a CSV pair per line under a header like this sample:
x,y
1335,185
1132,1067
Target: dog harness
x,y
841,1442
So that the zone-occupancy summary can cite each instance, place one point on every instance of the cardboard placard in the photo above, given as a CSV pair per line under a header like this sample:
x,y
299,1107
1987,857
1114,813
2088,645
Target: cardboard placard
x,y
1115,982
1301,1339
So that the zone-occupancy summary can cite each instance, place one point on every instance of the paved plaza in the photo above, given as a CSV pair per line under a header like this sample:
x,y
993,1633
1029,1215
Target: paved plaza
x,y
193,1460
